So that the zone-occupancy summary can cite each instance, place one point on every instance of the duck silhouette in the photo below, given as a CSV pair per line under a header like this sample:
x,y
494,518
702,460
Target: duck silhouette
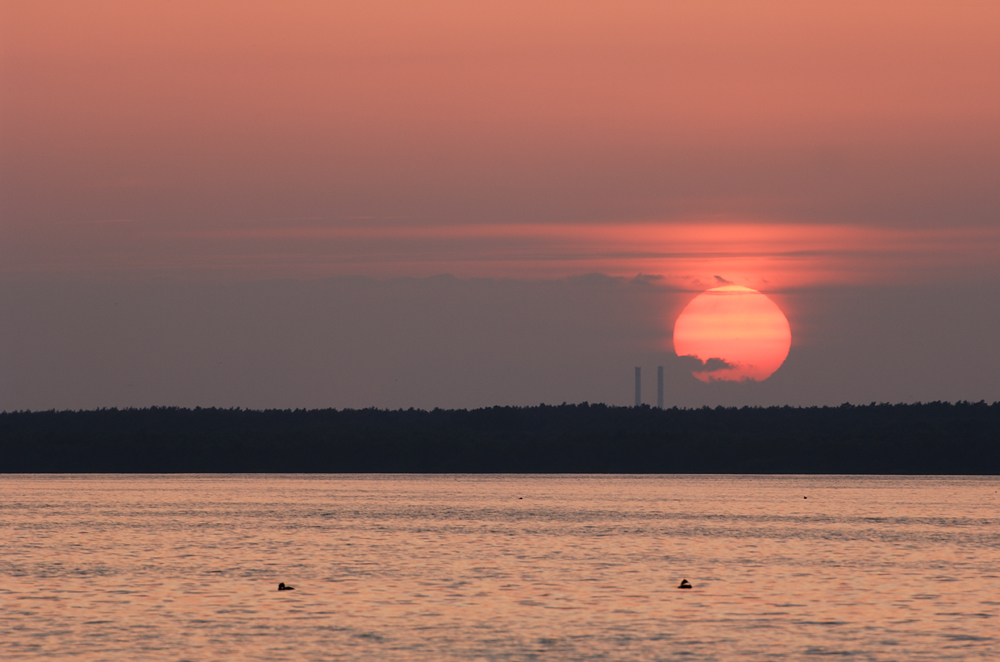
x,y
685,584
282,587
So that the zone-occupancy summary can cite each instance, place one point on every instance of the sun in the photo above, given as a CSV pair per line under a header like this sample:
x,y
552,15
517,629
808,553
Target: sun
x,y
732,333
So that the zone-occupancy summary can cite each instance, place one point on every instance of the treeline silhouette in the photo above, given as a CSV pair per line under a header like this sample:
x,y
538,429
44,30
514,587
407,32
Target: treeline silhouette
x,y
932,438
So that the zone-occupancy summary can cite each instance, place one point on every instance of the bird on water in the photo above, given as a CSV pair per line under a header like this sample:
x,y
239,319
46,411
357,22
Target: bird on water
x,y
685,584
282,587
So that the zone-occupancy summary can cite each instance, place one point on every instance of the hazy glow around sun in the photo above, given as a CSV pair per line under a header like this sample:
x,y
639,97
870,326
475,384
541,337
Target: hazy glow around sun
x,y
736,333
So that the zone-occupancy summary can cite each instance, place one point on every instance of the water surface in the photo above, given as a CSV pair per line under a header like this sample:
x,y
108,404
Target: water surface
x,y
106,567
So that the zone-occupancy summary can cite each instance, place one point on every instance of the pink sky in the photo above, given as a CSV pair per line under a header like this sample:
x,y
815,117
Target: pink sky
x,y
256,139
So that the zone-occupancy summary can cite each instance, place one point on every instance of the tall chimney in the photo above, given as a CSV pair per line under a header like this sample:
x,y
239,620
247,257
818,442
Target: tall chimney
x,y
659,387
638,386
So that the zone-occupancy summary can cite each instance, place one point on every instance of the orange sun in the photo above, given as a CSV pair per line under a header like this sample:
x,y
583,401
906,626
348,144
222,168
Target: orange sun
x,y
735,333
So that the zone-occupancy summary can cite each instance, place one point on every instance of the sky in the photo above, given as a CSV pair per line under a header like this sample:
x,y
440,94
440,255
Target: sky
x,y
454,204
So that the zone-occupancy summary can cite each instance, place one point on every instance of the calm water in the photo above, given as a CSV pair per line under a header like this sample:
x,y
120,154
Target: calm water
x,y
499,567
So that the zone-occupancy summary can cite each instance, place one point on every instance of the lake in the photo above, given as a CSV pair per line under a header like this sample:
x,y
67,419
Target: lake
x,y
501,567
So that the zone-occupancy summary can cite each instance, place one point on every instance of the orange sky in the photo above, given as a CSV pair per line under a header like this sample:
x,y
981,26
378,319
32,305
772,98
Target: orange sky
x,y
780,143
840,156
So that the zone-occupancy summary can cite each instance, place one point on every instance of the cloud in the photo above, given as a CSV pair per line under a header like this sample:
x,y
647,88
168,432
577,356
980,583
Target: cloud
x,y
688,255
595,279
647,279
714,364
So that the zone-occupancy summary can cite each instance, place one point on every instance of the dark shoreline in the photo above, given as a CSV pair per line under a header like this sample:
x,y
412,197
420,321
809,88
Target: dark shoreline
x,y
932,439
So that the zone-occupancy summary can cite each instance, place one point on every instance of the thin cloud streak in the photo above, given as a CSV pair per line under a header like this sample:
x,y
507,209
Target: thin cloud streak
x,y
783,255
688,255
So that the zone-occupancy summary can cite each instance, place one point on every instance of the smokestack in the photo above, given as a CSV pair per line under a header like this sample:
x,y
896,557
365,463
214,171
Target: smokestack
x,y
659,387
638,386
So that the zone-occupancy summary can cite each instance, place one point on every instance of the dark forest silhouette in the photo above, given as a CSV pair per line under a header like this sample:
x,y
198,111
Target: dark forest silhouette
x,y
932,438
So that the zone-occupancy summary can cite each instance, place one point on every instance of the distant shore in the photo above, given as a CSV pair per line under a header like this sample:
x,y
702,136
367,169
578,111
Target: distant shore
x,y
933,438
